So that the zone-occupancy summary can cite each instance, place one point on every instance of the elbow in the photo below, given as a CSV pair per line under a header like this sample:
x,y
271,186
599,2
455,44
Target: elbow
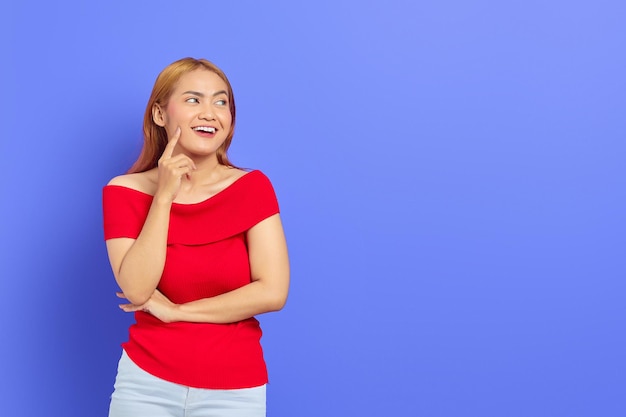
x,y
137,297
278,301
136,294
271,293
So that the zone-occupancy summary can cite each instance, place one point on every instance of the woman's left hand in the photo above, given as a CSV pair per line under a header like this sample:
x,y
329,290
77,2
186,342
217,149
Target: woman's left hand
x,y
158,305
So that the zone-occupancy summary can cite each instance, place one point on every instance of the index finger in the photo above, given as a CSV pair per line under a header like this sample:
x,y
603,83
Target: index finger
x,y
169,148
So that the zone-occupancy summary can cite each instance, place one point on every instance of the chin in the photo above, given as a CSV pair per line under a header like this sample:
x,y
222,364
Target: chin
x,y
202,153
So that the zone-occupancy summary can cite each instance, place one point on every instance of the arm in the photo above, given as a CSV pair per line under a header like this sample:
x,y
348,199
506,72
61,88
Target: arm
x,y
138,263
267,292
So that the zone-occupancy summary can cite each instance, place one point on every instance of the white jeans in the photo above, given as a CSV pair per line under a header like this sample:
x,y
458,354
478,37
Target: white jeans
x,y
140,394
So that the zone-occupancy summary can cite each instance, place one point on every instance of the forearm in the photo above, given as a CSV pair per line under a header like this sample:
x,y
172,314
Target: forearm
x,y
141,268
240,304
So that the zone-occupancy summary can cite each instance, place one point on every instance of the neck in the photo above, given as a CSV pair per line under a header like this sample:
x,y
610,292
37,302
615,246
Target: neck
x,y
208,170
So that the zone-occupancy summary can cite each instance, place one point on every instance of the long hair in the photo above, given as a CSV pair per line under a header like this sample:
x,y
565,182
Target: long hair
x,y
154,136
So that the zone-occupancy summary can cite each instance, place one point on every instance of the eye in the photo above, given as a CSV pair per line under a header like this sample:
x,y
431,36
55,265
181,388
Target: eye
x,y
192,100
221,102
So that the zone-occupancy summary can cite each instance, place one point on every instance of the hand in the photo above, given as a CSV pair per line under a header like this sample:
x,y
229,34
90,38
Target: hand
x,y
158,305
172,169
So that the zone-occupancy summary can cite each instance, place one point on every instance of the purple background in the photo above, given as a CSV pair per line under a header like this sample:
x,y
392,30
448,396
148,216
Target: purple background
x,y
451,176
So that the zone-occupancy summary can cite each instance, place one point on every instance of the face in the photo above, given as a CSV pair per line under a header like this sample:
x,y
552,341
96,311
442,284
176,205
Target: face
x,y
199,105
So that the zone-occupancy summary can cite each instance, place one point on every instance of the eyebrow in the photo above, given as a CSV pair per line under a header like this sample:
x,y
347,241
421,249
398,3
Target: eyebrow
x,y
199,94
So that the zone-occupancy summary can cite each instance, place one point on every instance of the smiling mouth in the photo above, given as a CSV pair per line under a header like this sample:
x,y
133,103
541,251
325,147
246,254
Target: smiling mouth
x,y
206,129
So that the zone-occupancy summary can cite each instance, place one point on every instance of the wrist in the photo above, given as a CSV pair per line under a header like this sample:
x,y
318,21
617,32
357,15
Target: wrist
x,y
175,313
162,200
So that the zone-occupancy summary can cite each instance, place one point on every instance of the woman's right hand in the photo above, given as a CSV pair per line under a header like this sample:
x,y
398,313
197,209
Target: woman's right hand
x,y
172,169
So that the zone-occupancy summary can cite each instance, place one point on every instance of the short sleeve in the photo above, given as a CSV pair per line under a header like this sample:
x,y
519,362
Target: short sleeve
x,y
256,202
124,211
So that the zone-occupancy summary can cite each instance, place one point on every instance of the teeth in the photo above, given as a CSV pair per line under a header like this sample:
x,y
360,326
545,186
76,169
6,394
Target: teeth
x,y
205,129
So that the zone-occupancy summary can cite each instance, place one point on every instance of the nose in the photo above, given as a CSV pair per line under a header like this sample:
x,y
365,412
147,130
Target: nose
x,y
206,113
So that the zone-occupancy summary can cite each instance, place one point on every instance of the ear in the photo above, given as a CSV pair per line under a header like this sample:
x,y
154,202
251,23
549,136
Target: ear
x,y
158,115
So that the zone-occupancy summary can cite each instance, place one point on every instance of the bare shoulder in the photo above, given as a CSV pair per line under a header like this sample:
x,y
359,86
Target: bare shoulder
x,y
228,177
145,182
235,173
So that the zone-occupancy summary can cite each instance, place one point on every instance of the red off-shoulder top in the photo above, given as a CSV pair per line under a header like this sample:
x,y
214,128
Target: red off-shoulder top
x,y
206,256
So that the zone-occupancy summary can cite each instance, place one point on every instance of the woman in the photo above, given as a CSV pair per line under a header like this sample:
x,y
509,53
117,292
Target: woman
x,y
197,248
